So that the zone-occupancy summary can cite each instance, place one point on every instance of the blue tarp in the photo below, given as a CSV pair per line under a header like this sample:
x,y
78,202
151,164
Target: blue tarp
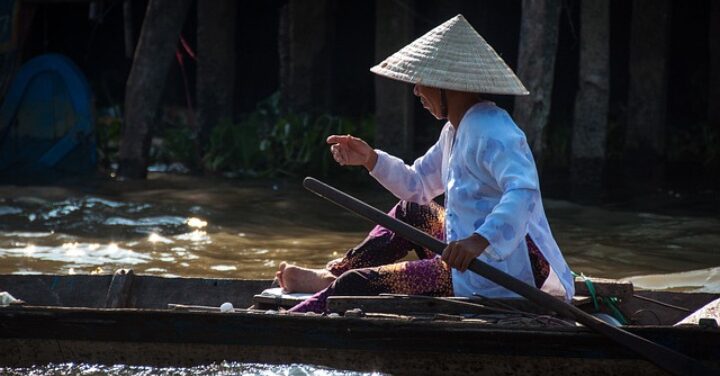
x,y
46,122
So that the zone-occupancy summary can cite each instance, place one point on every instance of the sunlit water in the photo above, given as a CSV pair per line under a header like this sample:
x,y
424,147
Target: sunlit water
x,y
175,226
184,226
225,369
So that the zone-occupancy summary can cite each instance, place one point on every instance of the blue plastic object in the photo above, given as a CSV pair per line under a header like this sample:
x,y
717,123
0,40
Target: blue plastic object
x,y
608,319
46,121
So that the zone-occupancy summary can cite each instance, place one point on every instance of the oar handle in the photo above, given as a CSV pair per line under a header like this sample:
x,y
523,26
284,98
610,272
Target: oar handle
x,y
665,358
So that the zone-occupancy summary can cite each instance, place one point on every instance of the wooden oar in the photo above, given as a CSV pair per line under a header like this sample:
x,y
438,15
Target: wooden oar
x,y
665,358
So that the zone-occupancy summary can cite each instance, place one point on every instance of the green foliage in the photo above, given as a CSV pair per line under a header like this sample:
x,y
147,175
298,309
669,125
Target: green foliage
x,y
176,144
264,143
270,143
107,130
233,147
615,140
557,147
685,144
711,135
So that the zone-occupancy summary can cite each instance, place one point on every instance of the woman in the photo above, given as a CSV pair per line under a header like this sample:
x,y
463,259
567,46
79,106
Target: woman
x,y
481,162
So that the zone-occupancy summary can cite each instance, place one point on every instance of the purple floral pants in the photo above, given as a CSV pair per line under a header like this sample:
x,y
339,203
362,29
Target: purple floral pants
x,y
372,267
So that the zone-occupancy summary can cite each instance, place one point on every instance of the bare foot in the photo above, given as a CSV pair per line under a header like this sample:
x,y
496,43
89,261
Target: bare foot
x,y
296,279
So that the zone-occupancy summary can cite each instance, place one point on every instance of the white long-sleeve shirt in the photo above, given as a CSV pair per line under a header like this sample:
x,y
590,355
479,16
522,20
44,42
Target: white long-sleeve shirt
x,y
490,181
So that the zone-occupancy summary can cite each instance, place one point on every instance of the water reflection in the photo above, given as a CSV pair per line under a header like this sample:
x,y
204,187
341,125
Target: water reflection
x,y
201,227
210,229
79,255
225,368
706,280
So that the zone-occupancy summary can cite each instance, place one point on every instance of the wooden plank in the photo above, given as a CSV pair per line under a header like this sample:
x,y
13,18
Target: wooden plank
x,y
663,307
140,330
158,292
376,302
708,315
428,305
274,301
605,287
58,290
147,291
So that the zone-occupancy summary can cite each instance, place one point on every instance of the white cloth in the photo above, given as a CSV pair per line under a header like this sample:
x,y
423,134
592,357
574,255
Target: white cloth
x,y
488,174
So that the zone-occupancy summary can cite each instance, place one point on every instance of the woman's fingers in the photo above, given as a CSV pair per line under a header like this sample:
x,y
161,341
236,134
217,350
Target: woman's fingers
x,y
335,150
343,156
344,153
349,150
457,257
445,254
351,141
358,145
465,262
333,139
449,254
338,139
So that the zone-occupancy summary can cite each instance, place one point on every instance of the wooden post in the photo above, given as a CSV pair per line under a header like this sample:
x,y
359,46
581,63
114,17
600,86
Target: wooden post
x,y
536,67
304,59
647,97
714,95
215,66
128,29
591,102
394,101
156,46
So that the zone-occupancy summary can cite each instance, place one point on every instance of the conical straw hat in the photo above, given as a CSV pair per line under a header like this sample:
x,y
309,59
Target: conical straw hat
x,y
452,56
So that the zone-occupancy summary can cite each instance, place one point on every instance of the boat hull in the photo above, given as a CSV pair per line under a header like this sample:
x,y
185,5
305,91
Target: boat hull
x,y
28,352
38,335
156,321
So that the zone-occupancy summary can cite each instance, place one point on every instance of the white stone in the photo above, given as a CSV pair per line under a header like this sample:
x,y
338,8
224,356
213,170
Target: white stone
x,y
226,307
6,298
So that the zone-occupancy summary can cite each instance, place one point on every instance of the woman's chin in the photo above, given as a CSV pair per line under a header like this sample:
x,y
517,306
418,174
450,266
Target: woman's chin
x,y
432,113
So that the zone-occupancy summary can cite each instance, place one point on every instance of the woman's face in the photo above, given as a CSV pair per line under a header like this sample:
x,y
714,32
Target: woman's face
x,y
430,99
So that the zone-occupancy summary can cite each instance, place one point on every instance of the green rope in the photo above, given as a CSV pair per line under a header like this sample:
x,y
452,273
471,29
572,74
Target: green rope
x,y
590,287
611,301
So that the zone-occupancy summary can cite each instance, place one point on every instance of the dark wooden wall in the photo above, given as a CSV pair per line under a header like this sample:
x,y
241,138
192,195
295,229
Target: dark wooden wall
x,y
349,89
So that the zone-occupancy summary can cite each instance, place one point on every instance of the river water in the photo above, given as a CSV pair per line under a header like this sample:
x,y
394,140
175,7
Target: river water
x,y
225,369
173,225
176,225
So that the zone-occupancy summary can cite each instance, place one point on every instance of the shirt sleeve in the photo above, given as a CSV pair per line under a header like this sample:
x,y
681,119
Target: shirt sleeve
x,y
508,160
419,183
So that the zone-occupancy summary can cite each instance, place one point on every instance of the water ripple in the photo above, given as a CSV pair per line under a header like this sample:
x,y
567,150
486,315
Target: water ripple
x,y
10,210
224,368
79,254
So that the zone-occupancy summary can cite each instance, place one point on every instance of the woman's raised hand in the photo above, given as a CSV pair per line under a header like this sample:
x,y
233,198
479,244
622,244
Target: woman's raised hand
x,y
352,151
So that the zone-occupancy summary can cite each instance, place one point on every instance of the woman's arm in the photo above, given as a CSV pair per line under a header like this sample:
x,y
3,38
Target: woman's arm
x,y
418,183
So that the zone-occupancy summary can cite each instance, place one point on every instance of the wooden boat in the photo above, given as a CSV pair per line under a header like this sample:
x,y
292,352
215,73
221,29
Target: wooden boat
x,y
147,320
